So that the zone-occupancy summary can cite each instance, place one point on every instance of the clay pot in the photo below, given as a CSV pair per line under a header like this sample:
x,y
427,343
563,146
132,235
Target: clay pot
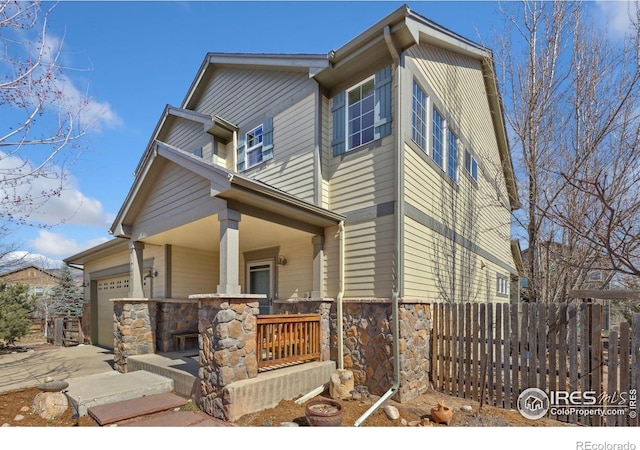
x,y
441,413
324,413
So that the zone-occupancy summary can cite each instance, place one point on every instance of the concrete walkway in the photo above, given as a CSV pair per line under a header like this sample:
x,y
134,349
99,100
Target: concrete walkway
x,y
28,369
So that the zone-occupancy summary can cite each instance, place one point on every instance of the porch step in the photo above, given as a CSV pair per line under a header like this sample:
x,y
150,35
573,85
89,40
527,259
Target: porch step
x,y
128,409
111,387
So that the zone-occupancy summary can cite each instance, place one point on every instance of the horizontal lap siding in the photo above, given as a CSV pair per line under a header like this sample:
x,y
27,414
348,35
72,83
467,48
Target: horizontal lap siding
x,y
369,258
247,97
184,134
291,168
175,191
296,277
193,272
476,212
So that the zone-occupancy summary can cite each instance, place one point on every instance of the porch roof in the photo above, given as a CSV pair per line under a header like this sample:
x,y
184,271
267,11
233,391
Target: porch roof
x,y
247,195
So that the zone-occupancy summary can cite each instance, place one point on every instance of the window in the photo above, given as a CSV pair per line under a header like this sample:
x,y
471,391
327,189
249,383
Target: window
x,y
360,107
471,165
419,117
502,285
438,138
452,156
255,146
198,152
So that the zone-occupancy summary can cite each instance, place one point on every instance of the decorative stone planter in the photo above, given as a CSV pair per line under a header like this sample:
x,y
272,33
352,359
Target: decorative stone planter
x,y
324,413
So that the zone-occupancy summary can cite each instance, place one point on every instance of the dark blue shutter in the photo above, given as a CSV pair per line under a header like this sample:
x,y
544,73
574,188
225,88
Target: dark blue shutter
x,y
339,123
382,120
267,139
241,153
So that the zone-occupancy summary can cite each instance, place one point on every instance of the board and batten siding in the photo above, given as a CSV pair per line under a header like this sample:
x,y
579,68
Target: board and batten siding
x,y
193,271
178,196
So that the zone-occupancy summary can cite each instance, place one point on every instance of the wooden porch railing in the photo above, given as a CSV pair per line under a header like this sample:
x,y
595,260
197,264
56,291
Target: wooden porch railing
x,y
287,339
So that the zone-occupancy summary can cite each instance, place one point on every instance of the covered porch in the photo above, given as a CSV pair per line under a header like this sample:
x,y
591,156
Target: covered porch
x,y
214,254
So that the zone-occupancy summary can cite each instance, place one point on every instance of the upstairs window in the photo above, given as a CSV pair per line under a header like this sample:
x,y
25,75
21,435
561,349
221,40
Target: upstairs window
x,y
438,138
471,165
361,103
452,156
502,285
255,146
419,117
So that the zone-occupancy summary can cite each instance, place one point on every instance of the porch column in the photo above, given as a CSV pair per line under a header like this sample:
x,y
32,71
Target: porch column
x,y
318,266
229,252
136,288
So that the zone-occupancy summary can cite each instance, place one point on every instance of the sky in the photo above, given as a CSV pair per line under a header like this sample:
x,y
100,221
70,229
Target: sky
x,y
133,58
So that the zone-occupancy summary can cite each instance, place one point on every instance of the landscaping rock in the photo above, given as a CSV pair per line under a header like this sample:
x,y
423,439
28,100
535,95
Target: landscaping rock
x,y
49,405
18,418
341,384
467,408
391,412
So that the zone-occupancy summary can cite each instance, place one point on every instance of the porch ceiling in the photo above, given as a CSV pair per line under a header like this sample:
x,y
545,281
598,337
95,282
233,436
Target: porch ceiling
x,y
204,234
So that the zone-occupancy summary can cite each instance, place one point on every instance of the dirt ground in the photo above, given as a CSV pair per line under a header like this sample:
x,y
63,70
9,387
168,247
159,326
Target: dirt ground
x,y
15,410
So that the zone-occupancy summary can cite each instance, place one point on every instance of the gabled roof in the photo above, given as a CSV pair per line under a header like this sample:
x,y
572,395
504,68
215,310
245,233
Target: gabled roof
x,y
226,185
30,266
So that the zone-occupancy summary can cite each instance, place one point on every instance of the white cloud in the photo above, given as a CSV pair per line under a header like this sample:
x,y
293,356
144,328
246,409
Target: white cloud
x,y
93,115
617,15
58,245
38,204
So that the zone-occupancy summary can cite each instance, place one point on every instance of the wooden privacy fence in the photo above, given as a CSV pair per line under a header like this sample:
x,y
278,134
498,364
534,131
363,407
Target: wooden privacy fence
x,y
490,353
287,339
65,331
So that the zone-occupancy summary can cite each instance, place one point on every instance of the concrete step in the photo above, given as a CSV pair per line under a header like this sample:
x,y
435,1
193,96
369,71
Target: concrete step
x,y
110,387
128,409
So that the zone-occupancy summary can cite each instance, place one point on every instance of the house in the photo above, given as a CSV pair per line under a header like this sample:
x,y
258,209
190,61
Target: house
x,y
39,280
366,183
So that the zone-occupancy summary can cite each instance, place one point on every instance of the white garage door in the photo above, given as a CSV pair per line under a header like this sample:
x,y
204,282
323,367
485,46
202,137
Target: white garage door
x,y
108,289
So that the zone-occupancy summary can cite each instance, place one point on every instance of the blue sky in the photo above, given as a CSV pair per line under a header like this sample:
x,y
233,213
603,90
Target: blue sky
x,y
133,58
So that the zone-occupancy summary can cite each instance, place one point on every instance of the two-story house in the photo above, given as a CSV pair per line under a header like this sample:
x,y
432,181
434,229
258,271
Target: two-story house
x,y
378,173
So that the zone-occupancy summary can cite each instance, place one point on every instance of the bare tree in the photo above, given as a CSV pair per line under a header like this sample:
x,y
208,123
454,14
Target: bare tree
x,y
42,113
571,98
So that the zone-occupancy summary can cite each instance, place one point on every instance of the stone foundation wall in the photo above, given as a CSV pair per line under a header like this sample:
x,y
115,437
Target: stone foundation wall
x,y
368,346
134,329
174,315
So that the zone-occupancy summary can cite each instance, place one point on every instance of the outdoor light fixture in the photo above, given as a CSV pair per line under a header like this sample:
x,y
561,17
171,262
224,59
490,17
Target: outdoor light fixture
x,y
282,260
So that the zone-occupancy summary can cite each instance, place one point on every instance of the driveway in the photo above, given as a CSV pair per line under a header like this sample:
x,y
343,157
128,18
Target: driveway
x,y
28,369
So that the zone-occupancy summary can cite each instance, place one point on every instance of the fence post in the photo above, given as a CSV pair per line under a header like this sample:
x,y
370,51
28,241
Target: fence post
x,y
58,333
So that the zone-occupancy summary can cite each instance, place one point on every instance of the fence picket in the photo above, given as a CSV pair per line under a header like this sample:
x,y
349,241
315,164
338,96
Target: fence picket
x,y
625,341
635,361
515,351
506,356
499,349
612,371
572,348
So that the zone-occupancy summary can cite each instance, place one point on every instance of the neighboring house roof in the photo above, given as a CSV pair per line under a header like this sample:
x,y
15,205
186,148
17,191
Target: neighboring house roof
x,y
22,275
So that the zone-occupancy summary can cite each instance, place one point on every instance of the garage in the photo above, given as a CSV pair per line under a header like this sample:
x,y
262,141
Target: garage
x,y
108,288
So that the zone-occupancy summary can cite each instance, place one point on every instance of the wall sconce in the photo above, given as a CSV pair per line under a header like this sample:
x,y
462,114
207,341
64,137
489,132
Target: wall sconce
x,y
282,261
482,265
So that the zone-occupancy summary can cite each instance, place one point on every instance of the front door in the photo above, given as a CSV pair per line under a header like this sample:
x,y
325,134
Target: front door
x,y
260,281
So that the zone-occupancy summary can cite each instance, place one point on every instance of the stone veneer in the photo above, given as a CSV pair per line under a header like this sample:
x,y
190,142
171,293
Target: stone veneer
x,y
368,346
174,315
228,333
134,329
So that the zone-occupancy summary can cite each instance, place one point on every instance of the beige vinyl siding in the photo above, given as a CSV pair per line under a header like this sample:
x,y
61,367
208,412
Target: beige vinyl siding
x,y
326,157
246,98
235,94
478,212
369,258
184,134
291,168
193,272
331,262
177,196
295,279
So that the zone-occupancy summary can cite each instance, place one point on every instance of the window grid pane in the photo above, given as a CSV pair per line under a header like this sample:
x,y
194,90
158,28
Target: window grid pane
x,y
419,119
360,120
452,166
438,137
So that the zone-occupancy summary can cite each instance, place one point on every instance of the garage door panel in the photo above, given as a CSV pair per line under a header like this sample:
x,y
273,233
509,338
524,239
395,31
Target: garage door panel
x,y
108,289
